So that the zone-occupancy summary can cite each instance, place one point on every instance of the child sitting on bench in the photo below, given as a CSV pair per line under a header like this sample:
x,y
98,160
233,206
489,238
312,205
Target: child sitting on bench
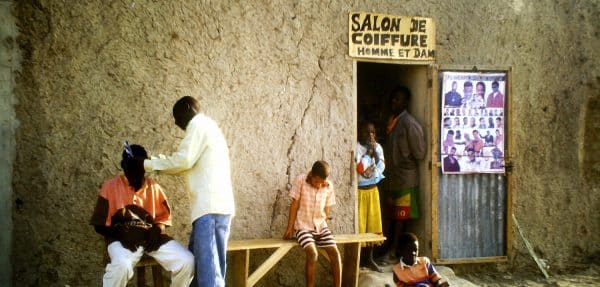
x,y
312,196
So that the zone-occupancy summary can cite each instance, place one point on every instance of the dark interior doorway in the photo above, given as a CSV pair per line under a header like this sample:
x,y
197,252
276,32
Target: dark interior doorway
x,y
374,83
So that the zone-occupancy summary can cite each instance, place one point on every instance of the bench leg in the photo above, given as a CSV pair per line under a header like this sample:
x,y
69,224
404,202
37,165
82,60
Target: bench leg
x,y
157,277
241,265
350,264
268,264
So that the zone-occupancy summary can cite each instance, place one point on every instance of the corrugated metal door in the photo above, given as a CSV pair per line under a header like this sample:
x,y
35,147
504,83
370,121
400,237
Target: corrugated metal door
x,y
469,211
471,216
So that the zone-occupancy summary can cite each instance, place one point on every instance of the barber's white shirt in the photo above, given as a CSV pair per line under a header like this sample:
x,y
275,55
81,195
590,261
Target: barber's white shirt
x,y
203,159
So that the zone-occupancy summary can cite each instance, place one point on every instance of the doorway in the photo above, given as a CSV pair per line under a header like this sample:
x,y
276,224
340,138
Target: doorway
x,y
374,82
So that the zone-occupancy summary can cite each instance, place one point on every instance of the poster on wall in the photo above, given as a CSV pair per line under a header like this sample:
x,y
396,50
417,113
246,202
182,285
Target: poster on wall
x,y
472,122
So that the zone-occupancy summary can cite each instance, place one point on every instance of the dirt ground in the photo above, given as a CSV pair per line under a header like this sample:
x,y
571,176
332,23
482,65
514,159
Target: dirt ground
x,y
582,276
578,277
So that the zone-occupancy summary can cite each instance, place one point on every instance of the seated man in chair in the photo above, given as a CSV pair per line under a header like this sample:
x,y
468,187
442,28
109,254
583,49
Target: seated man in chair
x,y
131,213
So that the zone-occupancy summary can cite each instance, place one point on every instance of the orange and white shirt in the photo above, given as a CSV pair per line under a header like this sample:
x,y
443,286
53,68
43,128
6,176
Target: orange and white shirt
x,y
311,211
421,273
117,194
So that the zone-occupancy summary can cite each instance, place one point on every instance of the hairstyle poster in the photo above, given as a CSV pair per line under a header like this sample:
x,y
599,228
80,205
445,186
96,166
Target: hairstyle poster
x,y
472,127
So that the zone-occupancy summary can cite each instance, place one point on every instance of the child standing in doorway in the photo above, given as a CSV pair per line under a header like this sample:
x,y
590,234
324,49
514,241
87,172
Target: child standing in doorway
x,y
369,168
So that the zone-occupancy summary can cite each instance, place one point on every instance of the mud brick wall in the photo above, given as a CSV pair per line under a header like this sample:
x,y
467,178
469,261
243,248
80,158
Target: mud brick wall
x,y
275,75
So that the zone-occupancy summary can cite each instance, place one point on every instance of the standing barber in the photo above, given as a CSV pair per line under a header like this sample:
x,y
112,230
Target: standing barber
x,y
203,158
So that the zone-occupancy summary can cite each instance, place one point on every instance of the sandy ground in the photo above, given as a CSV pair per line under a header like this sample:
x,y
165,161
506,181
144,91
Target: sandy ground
x,y
582,277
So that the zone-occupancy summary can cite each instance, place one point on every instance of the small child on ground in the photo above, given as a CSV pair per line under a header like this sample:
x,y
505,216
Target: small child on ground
x,y
131,213
413,270
312,196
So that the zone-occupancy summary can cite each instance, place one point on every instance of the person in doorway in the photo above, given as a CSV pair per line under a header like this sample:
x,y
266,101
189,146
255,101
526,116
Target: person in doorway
x,y
405,147
203,158
413,270
131,213
370,165
312,197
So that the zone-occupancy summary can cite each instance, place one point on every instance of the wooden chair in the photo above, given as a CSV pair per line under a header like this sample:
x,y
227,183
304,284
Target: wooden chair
x,y
140,270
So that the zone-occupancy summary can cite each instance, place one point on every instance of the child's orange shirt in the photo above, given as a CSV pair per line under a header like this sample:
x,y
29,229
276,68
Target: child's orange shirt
x,y
422,273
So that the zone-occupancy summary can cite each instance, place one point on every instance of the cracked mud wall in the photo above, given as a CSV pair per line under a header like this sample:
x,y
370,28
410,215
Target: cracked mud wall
x,y
275,75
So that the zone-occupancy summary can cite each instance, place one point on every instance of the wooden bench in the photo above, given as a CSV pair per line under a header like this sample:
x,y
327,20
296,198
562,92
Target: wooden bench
x,y
240,251
240,264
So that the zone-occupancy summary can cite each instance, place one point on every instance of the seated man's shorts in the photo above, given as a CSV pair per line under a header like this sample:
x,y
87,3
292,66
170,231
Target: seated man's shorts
x,y
324,238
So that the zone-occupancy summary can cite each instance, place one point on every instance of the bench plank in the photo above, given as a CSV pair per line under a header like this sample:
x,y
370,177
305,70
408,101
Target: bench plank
x,y
249,244
360,237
